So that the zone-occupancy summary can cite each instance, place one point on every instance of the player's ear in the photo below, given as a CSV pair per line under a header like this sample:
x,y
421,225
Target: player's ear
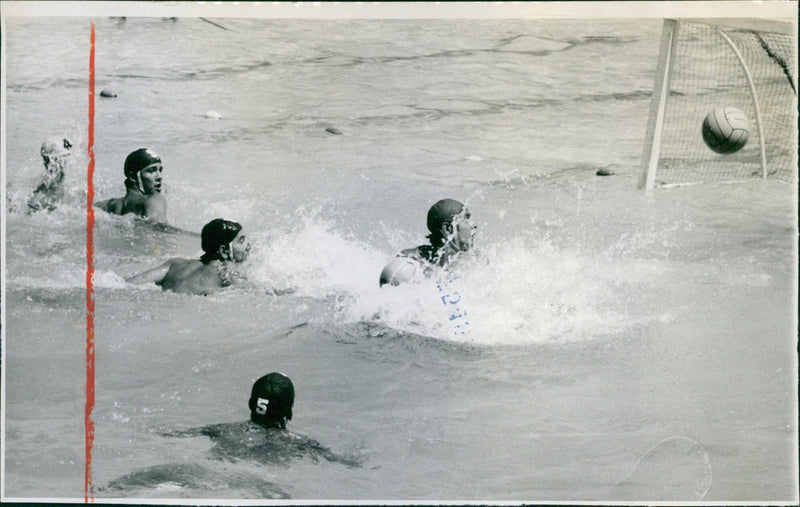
x,y
447,228
224,251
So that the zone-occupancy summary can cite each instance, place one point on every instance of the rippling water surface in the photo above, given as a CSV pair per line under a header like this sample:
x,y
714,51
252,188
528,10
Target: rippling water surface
x,y
618,346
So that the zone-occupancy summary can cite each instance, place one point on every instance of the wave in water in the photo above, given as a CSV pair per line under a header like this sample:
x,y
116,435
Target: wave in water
x,y
190,480
517,293
521,291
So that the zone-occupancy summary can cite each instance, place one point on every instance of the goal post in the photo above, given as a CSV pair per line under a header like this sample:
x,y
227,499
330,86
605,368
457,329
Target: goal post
x,y
704,64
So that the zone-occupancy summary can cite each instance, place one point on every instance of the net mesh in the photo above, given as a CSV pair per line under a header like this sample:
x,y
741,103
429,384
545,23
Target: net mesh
x,y
706,75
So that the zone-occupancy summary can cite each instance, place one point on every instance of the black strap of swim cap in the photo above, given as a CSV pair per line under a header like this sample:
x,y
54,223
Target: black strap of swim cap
x,y
138,160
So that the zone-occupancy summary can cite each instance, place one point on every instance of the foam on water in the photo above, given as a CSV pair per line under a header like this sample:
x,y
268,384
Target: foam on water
x,y
315,260
523,291
514,294
520,292
556,282
597,318
19,191
71,279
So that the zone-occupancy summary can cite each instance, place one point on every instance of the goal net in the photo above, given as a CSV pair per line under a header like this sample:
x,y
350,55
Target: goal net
x,y
705,64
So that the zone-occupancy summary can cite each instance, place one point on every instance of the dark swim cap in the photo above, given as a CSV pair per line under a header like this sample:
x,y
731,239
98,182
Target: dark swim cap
x,y
138,160
441,212
216,233
271,400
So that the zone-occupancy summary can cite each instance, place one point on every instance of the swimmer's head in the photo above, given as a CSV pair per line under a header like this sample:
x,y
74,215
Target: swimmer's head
x,y
271,400
443,212
143,171
55,151
215,239
448,221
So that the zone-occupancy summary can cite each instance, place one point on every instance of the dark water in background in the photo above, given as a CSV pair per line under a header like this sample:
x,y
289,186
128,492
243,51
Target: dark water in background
x,y
619,346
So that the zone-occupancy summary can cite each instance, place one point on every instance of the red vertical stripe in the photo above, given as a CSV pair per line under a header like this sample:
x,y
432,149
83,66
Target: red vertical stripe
x,y
90,284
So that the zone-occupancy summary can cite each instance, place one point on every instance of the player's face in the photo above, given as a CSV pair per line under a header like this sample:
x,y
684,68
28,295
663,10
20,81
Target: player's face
x,y
463,231
240,247
55,163
151,178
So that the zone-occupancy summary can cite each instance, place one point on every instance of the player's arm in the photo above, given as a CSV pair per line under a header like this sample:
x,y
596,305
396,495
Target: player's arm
x,y
154,275
411,252
109,206
183,432
38,200
317,449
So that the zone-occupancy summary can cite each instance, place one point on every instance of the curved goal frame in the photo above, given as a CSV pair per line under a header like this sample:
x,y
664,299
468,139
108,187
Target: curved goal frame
x,y
750,64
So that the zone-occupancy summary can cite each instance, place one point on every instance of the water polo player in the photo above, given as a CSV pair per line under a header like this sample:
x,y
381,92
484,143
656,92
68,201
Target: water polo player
x,y
264,438
55,153
224,246
143,184
451,233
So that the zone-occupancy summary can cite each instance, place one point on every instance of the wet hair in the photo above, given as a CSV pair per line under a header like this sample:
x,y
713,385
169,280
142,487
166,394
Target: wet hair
x,y
271,400
440,213
215,234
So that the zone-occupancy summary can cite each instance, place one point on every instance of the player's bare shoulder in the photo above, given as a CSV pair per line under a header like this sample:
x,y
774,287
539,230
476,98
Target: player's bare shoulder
x,y
225,248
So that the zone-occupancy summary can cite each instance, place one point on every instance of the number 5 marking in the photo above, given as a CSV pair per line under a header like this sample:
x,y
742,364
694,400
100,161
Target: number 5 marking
x,y
261,406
